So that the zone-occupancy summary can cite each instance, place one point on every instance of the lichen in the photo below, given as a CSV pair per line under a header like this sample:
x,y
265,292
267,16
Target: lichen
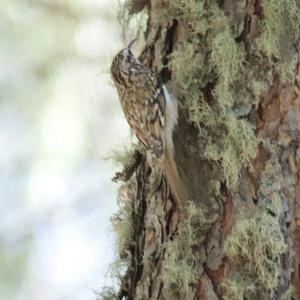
x,y
182,265
209,56
287,68
227,58
255,244
186,10
288,294
121,156
214,82
132,25
122,228
258,88
273,27
107,293
281,27
239,146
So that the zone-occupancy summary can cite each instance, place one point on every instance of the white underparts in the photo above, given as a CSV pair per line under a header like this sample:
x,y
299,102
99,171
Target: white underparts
x,y
171,119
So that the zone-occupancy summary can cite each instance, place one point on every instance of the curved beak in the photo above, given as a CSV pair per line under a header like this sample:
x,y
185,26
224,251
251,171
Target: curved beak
x,y
131,43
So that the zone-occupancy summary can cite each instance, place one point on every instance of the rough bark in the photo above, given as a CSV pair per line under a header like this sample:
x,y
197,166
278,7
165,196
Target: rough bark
x,y
220,259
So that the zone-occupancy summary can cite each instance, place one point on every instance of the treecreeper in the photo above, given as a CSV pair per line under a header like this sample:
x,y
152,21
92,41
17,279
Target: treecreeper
x,y
152,114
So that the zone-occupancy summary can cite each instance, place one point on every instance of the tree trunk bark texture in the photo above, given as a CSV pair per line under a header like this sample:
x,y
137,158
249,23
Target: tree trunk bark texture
x,y
234,67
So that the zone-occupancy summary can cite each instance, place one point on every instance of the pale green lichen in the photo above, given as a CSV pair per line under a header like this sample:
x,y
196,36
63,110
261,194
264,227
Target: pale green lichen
x,y
288,294
255,244
240,145
133,25
281,26
198,62
287,68
122,228
122,156
190,10
182,264
116,274
210,59
107,293
281,17
269,40
258,88
192,77
227,58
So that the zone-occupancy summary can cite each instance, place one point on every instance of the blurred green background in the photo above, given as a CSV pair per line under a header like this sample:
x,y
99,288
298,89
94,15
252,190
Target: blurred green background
x,y
59,116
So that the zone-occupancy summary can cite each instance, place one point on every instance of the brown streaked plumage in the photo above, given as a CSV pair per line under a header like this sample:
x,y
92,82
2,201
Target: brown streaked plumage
x,y
151,113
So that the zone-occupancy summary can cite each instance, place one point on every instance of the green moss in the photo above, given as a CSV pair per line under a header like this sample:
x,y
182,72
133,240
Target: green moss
x,y
182,264
255,245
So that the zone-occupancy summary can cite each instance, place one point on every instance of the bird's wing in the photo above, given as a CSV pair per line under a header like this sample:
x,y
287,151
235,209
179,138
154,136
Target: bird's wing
x,y
155,122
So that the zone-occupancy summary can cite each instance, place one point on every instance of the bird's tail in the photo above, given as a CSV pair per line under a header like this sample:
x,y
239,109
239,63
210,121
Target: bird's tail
x,y
169,165
175,182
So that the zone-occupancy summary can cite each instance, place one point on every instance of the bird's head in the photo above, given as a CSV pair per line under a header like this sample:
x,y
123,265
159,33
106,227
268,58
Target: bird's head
x,y
122,64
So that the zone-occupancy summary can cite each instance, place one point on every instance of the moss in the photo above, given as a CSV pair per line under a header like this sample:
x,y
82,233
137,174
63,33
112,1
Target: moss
x,y
255,245
182,264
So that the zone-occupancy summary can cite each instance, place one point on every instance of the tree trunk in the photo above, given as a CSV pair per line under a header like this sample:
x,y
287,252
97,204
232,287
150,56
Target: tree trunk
x,y
234,67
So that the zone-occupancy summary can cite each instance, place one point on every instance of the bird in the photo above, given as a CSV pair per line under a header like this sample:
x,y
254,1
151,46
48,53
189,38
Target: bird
x,y
151,112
